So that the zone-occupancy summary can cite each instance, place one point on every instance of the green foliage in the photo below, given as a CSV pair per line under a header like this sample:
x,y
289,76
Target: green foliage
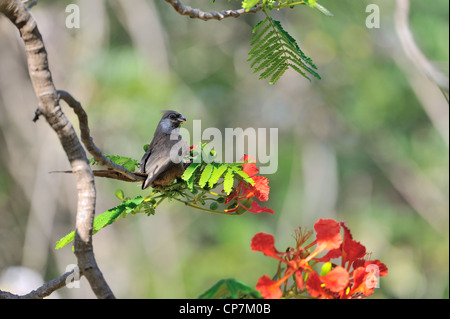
x,y
230,289
228,181
248,4
193,189
274,51
65,240
205,173
127,162
132,206
277,4
217,173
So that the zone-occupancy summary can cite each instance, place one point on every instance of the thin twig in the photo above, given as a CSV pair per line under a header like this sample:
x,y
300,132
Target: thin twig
x,y
44,291
31,4
201,208
212,15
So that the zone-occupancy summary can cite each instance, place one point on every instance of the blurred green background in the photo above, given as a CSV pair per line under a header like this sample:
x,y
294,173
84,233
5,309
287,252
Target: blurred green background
x,y
367,144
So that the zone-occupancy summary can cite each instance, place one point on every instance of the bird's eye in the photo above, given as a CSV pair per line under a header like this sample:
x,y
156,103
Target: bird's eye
x,y
172,116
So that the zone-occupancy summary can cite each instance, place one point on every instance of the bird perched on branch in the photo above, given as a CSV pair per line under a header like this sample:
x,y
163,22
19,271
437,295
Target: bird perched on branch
x,y
163,160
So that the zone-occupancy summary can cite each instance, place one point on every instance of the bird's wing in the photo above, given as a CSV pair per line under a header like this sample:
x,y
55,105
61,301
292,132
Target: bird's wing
x,y
144,160
155,161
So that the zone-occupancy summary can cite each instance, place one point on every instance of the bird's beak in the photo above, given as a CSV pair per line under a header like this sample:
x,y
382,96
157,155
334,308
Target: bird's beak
x,y
181,118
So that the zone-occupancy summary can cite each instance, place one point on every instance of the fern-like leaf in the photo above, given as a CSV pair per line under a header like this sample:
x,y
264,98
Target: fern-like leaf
x,y
216,174
274,51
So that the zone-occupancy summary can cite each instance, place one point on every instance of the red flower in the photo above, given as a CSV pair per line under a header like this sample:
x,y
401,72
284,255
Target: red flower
x,y
350,250
245,191
328,236
355,277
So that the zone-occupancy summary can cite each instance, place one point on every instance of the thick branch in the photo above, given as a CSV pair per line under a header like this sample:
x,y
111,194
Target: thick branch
x,y
48,104
213,15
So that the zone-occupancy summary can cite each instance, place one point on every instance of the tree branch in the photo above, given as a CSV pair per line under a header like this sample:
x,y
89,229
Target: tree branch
x,y
44,291
213,15
411,49
48,106
89,142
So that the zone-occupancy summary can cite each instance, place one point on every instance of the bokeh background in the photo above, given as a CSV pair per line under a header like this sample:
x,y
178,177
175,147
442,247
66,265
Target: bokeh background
x,y
367,144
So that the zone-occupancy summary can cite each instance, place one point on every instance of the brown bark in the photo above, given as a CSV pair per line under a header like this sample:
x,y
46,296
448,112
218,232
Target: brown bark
x,y
48,106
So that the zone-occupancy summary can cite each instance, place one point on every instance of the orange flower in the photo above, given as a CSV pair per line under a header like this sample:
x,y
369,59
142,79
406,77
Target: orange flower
x,y
353,279
245,191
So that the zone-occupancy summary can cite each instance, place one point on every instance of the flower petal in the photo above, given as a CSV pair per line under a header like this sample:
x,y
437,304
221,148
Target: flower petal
x,y
250,169
332,254
382,269
265,243
352,250
362,283
268,288
328,234
336,280
261,188
256,208
314,285
247,158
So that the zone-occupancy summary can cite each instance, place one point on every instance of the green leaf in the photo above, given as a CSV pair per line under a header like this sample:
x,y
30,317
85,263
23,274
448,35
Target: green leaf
x,y
228,181
65,240
112,214
274,51
257,26
127,162
217,173
238,170
190,184
119,194
105,219
189,171
248,4
258,36
230,289
276,76
206,174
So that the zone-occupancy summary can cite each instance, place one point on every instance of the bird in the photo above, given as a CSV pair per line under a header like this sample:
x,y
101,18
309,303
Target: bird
x,y
162,162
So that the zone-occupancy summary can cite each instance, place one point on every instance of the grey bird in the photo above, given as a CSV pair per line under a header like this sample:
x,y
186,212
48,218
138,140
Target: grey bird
x,y
163,160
